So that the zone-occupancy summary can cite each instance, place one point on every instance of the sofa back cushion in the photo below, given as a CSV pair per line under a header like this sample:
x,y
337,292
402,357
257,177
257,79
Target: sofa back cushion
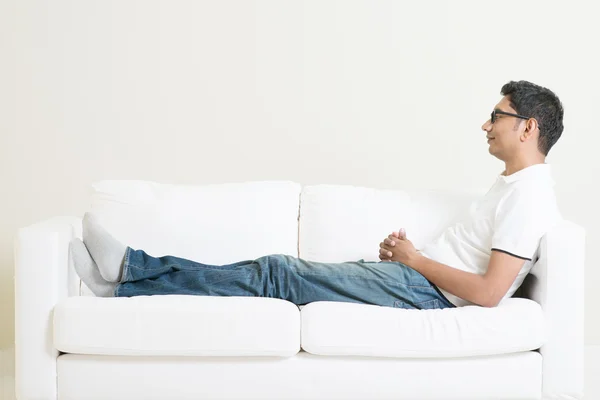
x,y
212,224
346,223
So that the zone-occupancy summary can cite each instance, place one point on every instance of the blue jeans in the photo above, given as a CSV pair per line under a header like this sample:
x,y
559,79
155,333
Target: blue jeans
x,y
390,284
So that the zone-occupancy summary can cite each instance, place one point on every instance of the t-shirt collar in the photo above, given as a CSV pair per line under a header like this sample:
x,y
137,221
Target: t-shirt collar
x,y
534,172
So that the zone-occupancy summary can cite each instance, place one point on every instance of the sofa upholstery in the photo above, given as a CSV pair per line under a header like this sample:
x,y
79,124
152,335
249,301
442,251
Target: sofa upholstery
x,y
72,345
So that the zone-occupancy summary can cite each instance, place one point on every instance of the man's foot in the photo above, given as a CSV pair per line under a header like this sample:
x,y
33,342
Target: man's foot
x,y
107,252
88,270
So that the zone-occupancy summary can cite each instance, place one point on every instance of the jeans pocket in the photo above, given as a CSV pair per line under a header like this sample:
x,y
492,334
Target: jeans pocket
x,y
423,305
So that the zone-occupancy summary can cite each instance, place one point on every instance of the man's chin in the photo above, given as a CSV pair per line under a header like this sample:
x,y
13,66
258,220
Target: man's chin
x,y
494,154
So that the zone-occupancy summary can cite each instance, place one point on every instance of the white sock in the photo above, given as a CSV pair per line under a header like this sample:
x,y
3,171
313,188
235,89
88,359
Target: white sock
x,y
107,252
88,271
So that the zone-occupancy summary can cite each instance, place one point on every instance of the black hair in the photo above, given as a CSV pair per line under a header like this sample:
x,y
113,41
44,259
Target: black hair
x,y
540,103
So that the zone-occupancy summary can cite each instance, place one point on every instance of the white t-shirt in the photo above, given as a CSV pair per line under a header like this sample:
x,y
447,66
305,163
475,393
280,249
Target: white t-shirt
x,y
512,217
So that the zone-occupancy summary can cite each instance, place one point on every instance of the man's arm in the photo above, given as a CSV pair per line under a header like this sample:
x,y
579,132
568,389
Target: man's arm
x,y
486,290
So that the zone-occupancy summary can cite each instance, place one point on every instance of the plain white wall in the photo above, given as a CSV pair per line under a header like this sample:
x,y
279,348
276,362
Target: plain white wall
x,y
382,94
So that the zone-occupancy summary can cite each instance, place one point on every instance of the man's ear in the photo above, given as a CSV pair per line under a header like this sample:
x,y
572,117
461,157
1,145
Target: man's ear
x,y
531,126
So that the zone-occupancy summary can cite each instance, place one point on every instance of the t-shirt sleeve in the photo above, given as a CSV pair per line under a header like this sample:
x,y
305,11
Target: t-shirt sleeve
x,y
522,219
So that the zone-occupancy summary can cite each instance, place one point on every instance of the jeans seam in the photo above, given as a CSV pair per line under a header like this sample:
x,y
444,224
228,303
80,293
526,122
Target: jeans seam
x,y
417,304
371,279
192,267
126,274
363,277
152,283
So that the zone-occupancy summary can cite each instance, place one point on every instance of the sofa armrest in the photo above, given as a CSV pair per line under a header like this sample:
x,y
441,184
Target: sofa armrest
x,y
556,282
41,280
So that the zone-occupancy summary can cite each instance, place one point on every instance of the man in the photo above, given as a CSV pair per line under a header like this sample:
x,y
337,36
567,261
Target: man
x,y
478,261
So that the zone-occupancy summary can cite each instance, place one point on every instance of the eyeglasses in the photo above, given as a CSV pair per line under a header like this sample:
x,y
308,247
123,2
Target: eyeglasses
x,y
494,117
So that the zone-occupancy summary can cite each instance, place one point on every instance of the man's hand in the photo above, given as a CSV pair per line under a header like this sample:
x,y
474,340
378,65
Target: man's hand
x,y
396,247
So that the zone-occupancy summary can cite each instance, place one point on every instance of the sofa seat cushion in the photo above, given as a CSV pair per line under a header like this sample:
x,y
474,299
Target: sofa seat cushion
x,y
335,328
176,325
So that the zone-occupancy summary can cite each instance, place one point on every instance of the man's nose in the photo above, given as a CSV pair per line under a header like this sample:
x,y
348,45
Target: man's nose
x,y
487,126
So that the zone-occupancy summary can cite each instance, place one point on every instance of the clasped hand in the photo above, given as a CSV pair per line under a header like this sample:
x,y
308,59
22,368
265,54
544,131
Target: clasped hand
x,y
396,247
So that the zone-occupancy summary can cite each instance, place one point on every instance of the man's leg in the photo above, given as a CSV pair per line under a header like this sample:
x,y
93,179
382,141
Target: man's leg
x,y
278,276
283,277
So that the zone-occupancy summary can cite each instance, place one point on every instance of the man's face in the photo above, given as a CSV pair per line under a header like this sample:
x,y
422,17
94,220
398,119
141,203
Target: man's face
x,y
503,134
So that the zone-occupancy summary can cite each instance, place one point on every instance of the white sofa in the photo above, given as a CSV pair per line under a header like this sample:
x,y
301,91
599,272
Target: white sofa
x,y
72,345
